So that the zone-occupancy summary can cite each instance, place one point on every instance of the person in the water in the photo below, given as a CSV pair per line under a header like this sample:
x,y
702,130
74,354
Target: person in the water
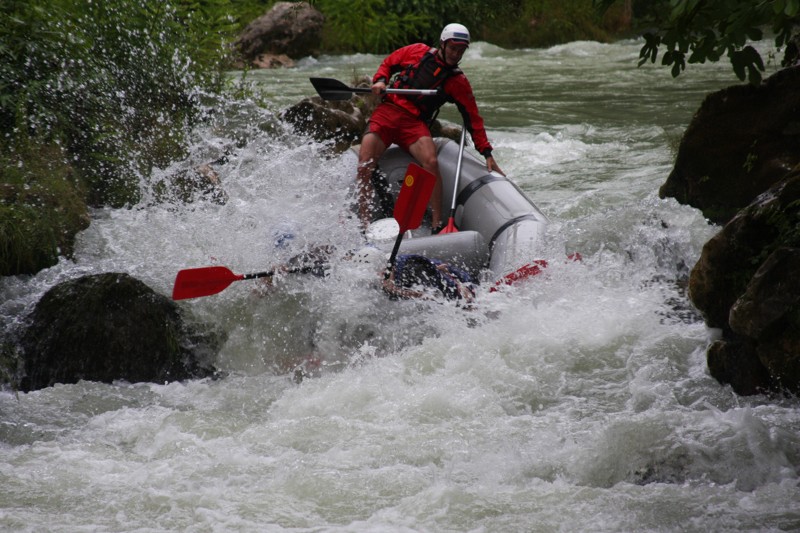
x,y
412,276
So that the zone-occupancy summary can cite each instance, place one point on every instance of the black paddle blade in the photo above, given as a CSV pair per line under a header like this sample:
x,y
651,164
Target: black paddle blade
x,y
330,89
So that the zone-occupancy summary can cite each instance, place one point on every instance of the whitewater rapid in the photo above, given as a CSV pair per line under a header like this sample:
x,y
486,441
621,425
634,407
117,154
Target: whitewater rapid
x,y
579,401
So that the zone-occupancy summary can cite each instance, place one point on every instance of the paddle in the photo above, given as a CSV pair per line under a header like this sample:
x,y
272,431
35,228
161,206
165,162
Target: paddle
x,y
411,204
527,271
451,221
330,89
408,211
205,281
522,273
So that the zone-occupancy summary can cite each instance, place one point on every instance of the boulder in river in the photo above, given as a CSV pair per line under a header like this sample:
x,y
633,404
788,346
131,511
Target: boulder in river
x,y
343,121
288,29
109,327
746,283
741,141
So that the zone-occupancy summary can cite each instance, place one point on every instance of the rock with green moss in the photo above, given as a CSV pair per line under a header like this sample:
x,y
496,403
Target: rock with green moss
x,y
746,283
342,122
110,327
741,141
290,28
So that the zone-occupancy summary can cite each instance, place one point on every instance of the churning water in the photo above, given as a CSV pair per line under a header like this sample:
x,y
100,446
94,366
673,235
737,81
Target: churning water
x,y
579,401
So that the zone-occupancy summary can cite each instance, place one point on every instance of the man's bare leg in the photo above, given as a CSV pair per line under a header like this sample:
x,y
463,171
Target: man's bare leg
x,y
372,148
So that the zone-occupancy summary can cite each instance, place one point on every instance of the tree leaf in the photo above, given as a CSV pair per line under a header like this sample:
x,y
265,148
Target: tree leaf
x,y
754,75
679,9
738,65
649,49
756,58
754,34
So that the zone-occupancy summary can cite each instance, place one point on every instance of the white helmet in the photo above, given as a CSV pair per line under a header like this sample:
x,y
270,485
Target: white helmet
x,y
455,32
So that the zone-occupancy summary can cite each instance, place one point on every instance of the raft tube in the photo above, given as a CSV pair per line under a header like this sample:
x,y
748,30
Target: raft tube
x,y
500,228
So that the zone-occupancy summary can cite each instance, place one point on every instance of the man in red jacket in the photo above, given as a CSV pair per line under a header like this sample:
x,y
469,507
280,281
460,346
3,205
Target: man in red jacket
x,y
404,120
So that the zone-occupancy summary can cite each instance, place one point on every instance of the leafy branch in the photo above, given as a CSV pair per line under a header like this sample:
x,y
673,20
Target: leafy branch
x,y
696,31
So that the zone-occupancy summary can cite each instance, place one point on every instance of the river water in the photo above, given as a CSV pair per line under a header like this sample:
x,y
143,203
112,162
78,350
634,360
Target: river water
x,y
579,401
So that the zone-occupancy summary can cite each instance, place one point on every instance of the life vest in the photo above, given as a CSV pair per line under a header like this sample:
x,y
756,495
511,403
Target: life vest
x,y
417,270
428,73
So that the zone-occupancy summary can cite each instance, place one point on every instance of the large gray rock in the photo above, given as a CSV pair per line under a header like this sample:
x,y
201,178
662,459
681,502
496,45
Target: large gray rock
x,y
292,29
741,141
343,122
109,327
746,283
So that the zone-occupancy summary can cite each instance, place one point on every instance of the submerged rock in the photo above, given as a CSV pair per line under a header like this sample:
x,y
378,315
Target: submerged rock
x,y
109,327
189,185
342,122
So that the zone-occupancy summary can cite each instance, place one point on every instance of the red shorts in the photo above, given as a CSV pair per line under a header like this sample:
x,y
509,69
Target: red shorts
x,y
394,124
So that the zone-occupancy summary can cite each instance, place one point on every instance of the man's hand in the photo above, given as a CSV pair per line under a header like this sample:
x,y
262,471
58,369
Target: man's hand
x,y
378,87
491,164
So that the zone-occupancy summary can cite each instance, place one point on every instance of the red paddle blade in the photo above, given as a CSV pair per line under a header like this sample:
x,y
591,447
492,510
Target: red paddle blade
x,y
528,271
413,198
450,227
524,272
205,281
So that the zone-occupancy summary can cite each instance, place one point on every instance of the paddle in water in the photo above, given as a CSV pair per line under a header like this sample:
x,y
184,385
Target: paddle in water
x,y
205,281
408,212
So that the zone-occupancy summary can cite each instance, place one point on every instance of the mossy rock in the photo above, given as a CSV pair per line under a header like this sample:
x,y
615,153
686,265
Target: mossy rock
x,y
110,327
742,141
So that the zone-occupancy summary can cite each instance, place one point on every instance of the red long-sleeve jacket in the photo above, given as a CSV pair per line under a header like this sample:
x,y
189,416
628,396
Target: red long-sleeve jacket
x,y
457,87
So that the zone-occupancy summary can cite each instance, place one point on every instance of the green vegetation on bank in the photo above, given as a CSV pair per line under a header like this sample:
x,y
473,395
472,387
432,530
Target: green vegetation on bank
x,y
93,95
111,82
379,26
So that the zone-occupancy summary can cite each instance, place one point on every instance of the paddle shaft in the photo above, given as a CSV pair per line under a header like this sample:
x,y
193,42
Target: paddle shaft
x,y
395,250
331,89
256,275
410,92
458,170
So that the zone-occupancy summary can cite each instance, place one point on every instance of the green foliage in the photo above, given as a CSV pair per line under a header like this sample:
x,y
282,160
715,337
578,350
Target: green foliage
x,y
379,26
114,82
41,208
243,12
696,31
552,22
368,25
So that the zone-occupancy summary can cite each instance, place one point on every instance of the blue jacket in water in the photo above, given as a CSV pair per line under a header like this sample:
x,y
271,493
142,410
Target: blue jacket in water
x,y
417,270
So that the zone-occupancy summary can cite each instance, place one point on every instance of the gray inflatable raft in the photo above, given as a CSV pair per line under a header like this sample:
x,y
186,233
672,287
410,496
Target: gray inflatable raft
x,y
500,228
